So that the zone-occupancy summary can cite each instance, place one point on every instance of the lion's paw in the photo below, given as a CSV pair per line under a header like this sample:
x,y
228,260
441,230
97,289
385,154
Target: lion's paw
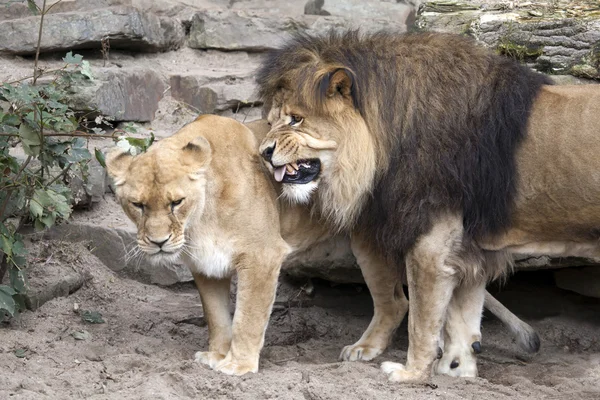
x,y
397,372
459,361
357,352
210,358
236,368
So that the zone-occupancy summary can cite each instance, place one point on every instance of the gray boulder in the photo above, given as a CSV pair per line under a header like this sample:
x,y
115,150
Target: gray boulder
x,y
122,94
557,39
125,27
252,31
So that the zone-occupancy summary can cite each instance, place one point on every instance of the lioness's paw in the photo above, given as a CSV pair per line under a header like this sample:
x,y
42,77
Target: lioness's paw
x,y
236,368
397,372
210,358
357,352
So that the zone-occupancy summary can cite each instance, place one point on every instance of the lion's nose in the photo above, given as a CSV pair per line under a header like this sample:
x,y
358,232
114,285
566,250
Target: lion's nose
x,y
159,243
267,153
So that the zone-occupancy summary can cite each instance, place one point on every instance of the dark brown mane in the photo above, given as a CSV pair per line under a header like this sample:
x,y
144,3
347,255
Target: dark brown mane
x,y
449,114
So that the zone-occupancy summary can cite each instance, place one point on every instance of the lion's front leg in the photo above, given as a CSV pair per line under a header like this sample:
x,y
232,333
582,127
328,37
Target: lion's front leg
x,y
256,287
389,302
431,282
462,332
214,294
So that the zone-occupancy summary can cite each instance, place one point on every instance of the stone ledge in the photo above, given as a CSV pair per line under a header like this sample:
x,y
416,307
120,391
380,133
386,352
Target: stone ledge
x,y
126,27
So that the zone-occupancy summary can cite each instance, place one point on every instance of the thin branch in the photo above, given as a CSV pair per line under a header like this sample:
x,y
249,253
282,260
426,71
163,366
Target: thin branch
x,y
52,5
82,134
39,44
41,73
63,173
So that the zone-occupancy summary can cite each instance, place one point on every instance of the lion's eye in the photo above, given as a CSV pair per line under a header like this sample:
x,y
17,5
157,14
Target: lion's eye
x,y
295,120
176,203
138,205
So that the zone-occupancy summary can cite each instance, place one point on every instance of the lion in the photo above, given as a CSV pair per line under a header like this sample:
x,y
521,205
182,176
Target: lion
x,y
441,156
203,195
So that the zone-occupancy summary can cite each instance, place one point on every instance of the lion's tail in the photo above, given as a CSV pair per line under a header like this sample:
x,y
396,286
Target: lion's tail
x,y
524,334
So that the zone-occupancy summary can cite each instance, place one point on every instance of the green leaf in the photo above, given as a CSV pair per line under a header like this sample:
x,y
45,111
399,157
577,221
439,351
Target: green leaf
x,y
72,59
19,247
35,209
48,220
20,353
18,280
30,139
100,157
77,155
19,261
35,10
93,317
6,299
38,225
81,335
86,70
6,244
11,119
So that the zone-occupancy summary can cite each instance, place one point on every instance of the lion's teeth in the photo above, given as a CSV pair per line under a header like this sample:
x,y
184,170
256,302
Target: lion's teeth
x,y
290,170
294,165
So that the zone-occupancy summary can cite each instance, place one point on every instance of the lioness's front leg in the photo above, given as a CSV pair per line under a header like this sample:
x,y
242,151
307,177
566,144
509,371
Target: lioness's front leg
x,y
431,282
389,302
256,286
214,294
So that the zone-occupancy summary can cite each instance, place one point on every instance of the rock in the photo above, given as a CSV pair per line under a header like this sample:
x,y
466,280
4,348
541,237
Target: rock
x,y
251,31
112,240
585,281
331,260
528,263
558,39
126,28
122,94
315,7
365,10
92,191
51,280
212,95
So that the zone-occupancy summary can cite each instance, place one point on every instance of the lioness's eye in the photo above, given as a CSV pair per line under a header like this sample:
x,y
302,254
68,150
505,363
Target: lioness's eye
x,y
137,205
176,203
295,120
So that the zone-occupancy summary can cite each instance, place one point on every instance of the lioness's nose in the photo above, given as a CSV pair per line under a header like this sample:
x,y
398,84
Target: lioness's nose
x,y
159,243
267,153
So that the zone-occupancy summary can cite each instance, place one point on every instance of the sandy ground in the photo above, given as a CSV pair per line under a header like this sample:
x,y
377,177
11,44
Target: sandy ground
x,y
145,348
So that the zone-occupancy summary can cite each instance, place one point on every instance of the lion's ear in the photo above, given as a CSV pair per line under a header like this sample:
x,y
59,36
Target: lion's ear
x,y
339,82
196,154
118,161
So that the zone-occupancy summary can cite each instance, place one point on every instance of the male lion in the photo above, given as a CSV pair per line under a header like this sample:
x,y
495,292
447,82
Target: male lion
x,y
440,155
204,195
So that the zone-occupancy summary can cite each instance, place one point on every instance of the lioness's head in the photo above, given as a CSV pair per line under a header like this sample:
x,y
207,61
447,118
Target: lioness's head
x,y
160,190
319,146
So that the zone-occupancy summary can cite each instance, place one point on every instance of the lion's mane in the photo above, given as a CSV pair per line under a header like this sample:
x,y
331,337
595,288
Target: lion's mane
x,y
444,114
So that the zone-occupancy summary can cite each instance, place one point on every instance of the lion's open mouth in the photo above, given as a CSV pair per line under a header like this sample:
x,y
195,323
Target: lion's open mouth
x,y
301,171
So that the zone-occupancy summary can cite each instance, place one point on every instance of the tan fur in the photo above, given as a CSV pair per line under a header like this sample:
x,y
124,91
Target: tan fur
x,y
230,217
557,209
227,223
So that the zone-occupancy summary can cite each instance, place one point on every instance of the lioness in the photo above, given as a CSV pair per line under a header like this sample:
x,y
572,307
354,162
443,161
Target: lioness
x,y
203,195
440,155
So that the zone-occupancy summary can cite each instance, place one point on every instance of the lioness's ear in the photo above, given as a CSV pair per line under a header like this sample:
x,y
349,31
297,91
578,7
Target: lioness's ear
x,y
196,154
340,82
118,161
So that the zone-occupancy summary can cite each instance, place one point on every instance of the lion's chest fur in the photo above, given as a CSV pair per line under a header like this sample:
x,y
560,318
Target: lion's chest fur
x,y
210,252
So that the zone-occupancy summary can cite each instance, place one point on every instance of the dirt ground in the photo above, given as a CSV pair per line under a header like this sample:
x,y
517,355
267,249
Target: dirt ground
x,y
145,348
